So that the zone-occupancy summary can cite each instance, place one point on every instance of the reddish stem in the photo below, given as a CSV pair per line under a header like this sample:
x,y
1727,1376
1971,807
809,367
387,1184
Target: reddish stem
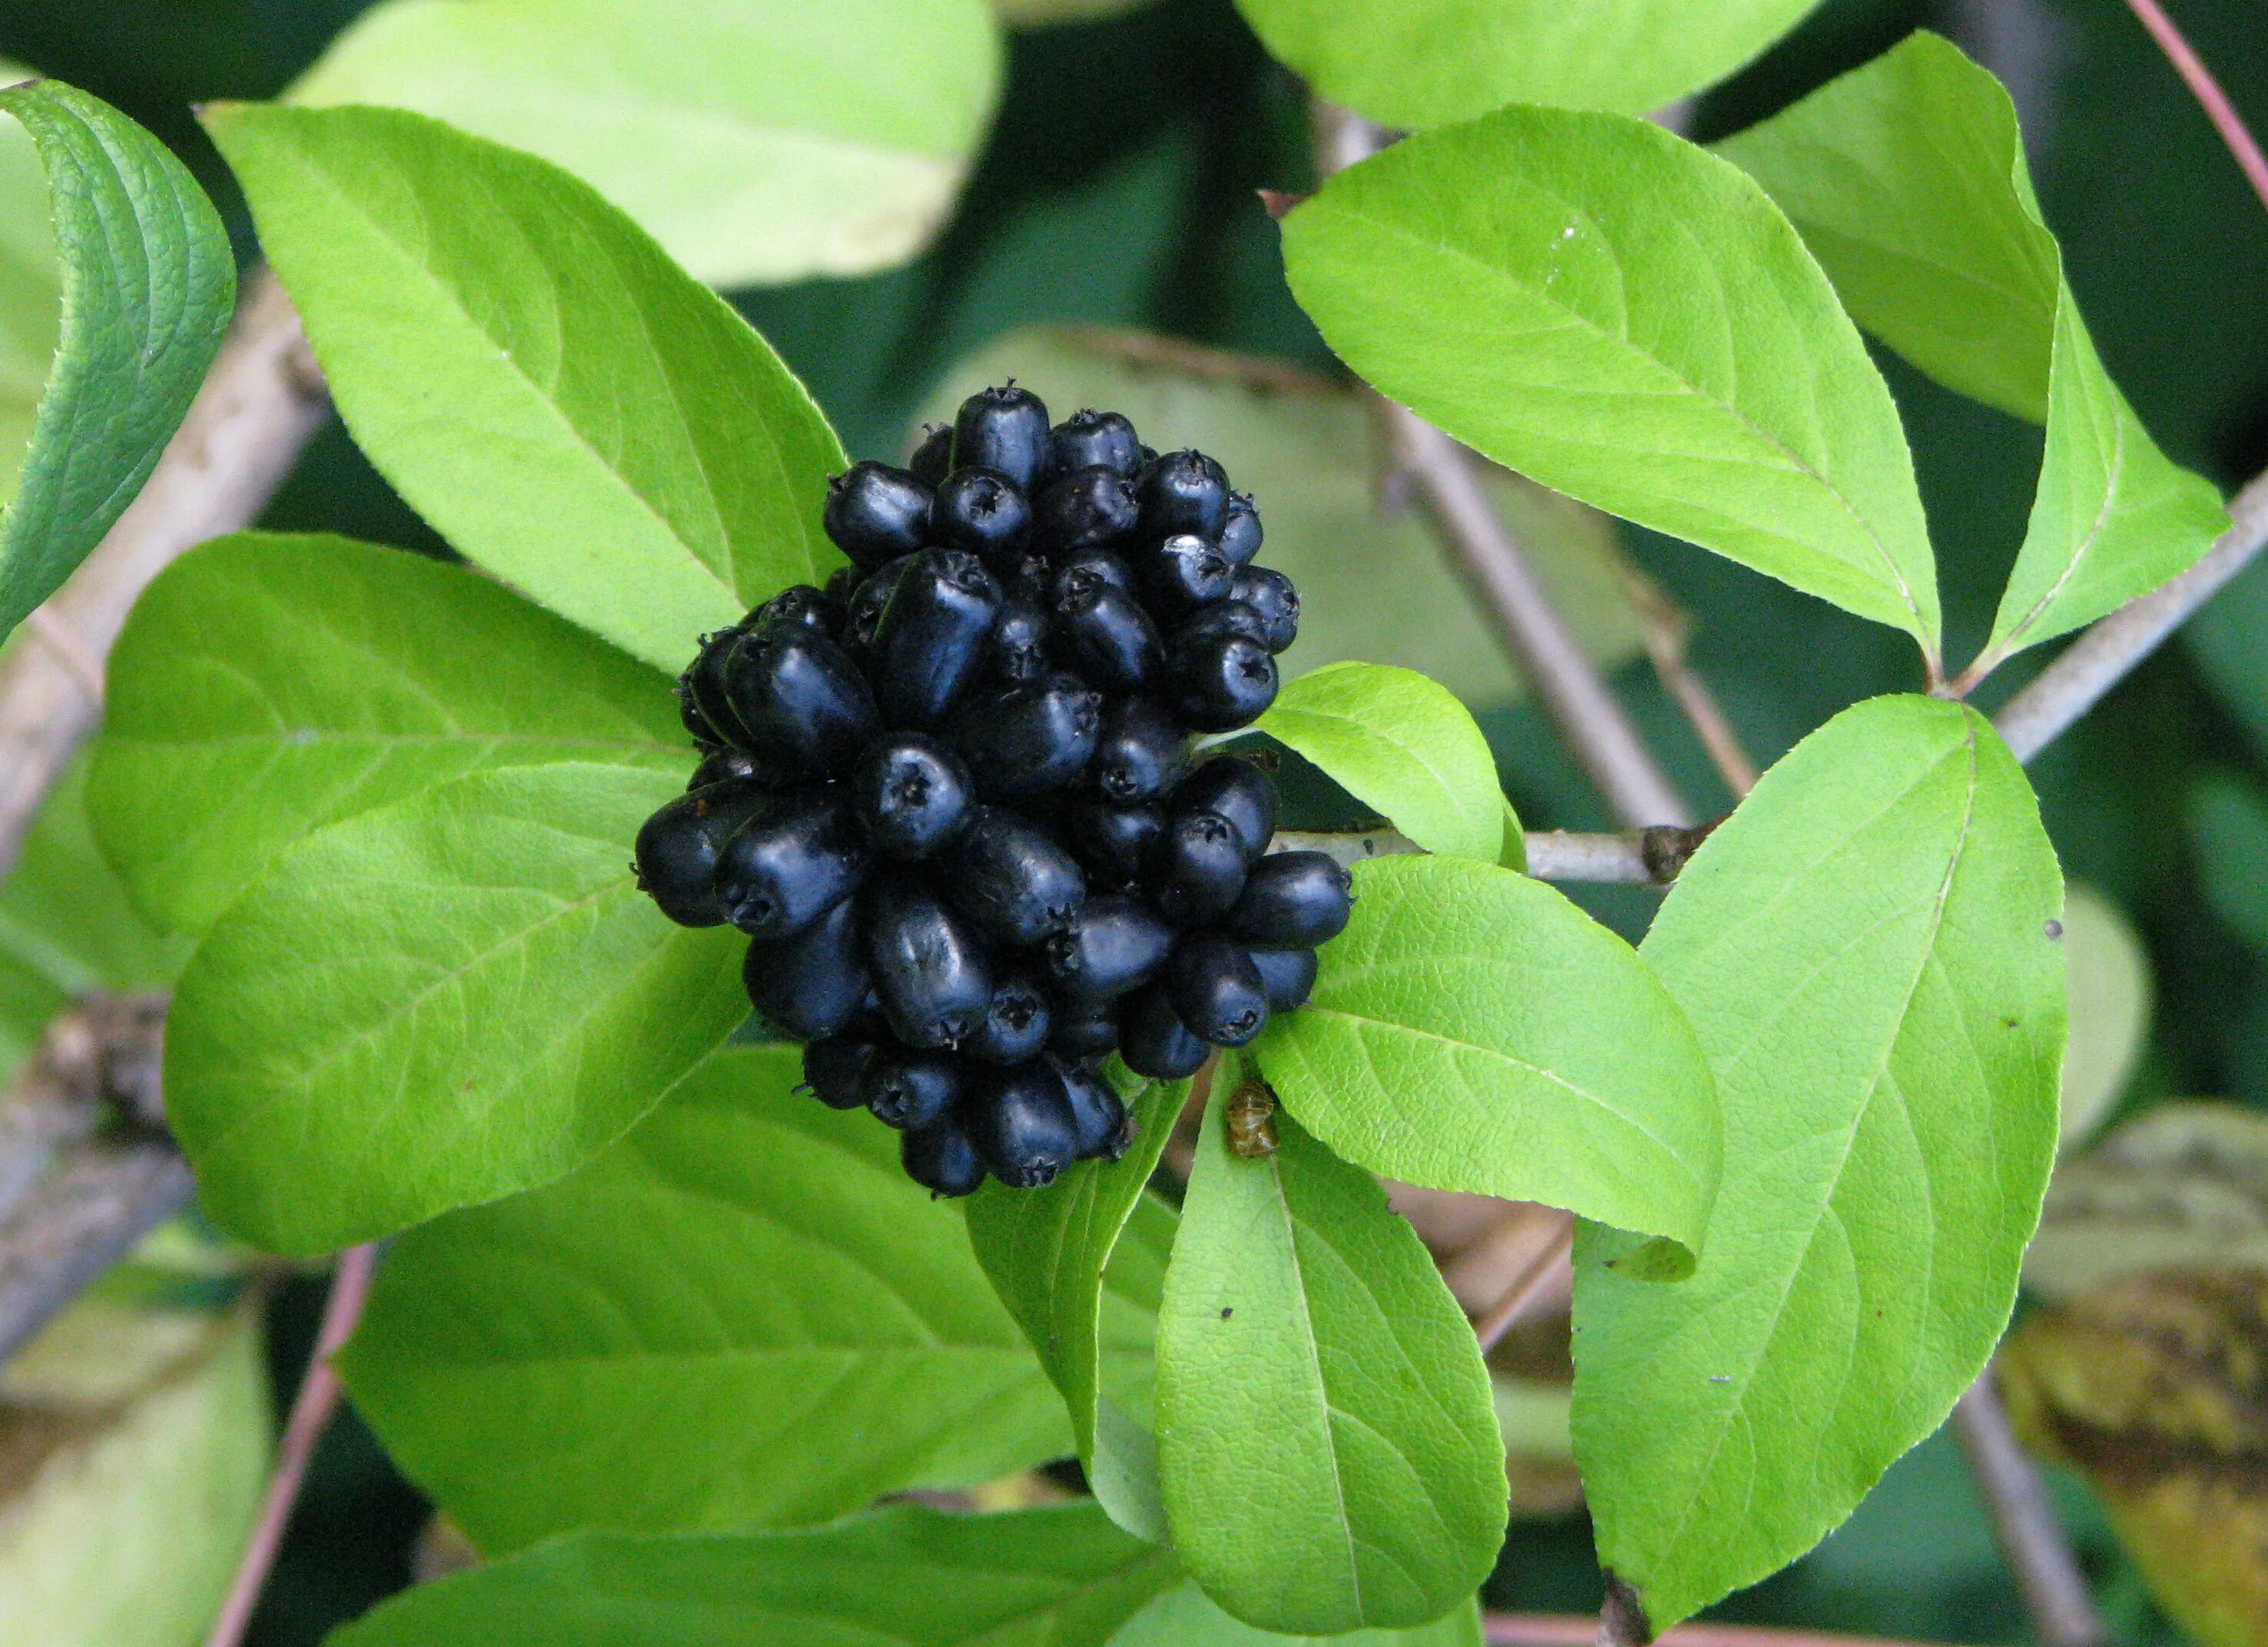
x,y
310,1415
2208,93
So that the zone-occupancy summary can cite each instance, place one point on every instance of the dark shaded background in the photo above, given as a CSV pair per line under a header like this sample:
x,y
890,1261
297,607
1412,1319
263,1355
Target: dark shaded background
x,y
1118,189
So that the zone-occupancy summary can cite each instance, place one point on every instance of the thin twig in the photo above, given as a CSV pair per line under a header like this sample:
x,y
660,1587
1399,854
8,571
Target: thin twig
x,y
310,1415
2206,90
92,1208
1663,629
262,402
1530,1284
2031,1538
1554,1629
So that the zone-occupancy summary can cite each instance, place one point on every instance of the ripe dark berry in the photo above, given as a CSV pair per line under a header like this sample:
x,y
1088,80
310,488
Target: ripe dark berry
x,y
907,1089
812,985
1288,975
911,796
932,460
1153,1040
930,967
832,1066
864,616
1182,574
981,512
678,848
1082,1029
1183,491
1091,439
1016,1025
1271,594
1006,430
1104,634
802,701
798,603
1105,1130
1086,508
1220,685
1027,740
1239,534
1139,752
721,766
1086,569
1022,1125
1016,652
932,635
1196,868
703,702
1219,621
790,864
941,1160
1013,879
1113,945
1215,989
1239,792
1113,843
876,513
1292,900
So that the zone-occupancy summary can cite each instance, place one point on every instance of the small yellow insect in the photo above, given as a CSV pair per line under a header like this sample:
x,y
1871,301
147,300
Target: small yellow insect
x,y
1252,1121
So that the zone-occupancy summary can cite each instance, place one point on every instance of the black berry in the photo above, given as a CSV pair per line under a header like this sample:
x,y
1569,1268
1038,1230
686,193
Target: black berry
x,y
790,864
1016,1025
1006,429
1113,945
1216,991
907,1089
981,512
941,1160
832,1066
1271,594
1288,975
1196,868
1082,1029
802,701
722,766
1240,534
1239,792
1022,1125
875,513
932,635
1113,842
679,846
1104,634
798,603
911,796
1154,1042
932,460
1013,879
1086,569
930,967
1029,739
1105,1130
1183,491
1292,900
1182,574
1091,439
1016,652
1086,508
813,984
1138,751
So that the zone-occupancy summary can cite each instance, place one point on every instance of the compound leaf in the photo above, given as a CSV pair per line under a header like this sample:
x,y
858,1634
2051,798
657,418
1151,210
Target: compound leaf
x,y
435,1004
1473,1030
1867,949
1049,1253
267,685
743,1314
148,285
757,140
1404,744
530,371
1329,1448
1601,305
1907,180
1056,1577
1419,62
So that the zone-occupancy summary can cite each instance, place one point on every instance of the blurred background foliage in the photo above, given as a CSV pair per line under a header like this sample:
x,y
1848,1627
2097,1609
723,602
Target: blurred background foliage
x,y
1117,191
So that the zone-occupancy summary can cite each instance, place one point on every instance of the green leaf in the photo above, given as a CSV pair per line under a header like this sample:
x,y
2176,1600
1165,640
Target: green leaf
x,y
1047,1252
757,140
1473,1030
267,685
30,289
1307,449
742,1315
66,926
1907,180
1185,1618
1865,949
148,285
1419,62
1601,305
1329,1451
1404,744
435,1004
1055,1578
566,406
2110,988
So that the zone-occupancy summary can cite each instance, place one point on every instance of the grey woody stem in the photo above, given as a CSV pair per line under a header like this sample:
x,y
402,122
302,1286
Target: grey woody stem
x,y
2031,1538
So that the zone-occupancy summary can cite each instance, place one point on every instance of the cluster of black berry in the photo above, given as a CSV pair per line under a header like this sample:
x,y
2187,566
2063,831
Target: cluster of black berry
x,y
951,798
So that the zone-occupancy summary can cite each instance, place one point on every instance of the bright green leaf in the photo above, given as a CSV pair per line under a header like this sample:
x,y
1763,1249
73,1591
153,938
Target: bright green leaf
x,y
1185,1618
148,285
66,926
744,1314
435,1004
1420,62
1865,950
2108,984
905,1576
1474,1030
1329,1450
1403,743
1047,1251
1309,452
30,289
534,376
267,686
1907,180
757,140
1601,305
